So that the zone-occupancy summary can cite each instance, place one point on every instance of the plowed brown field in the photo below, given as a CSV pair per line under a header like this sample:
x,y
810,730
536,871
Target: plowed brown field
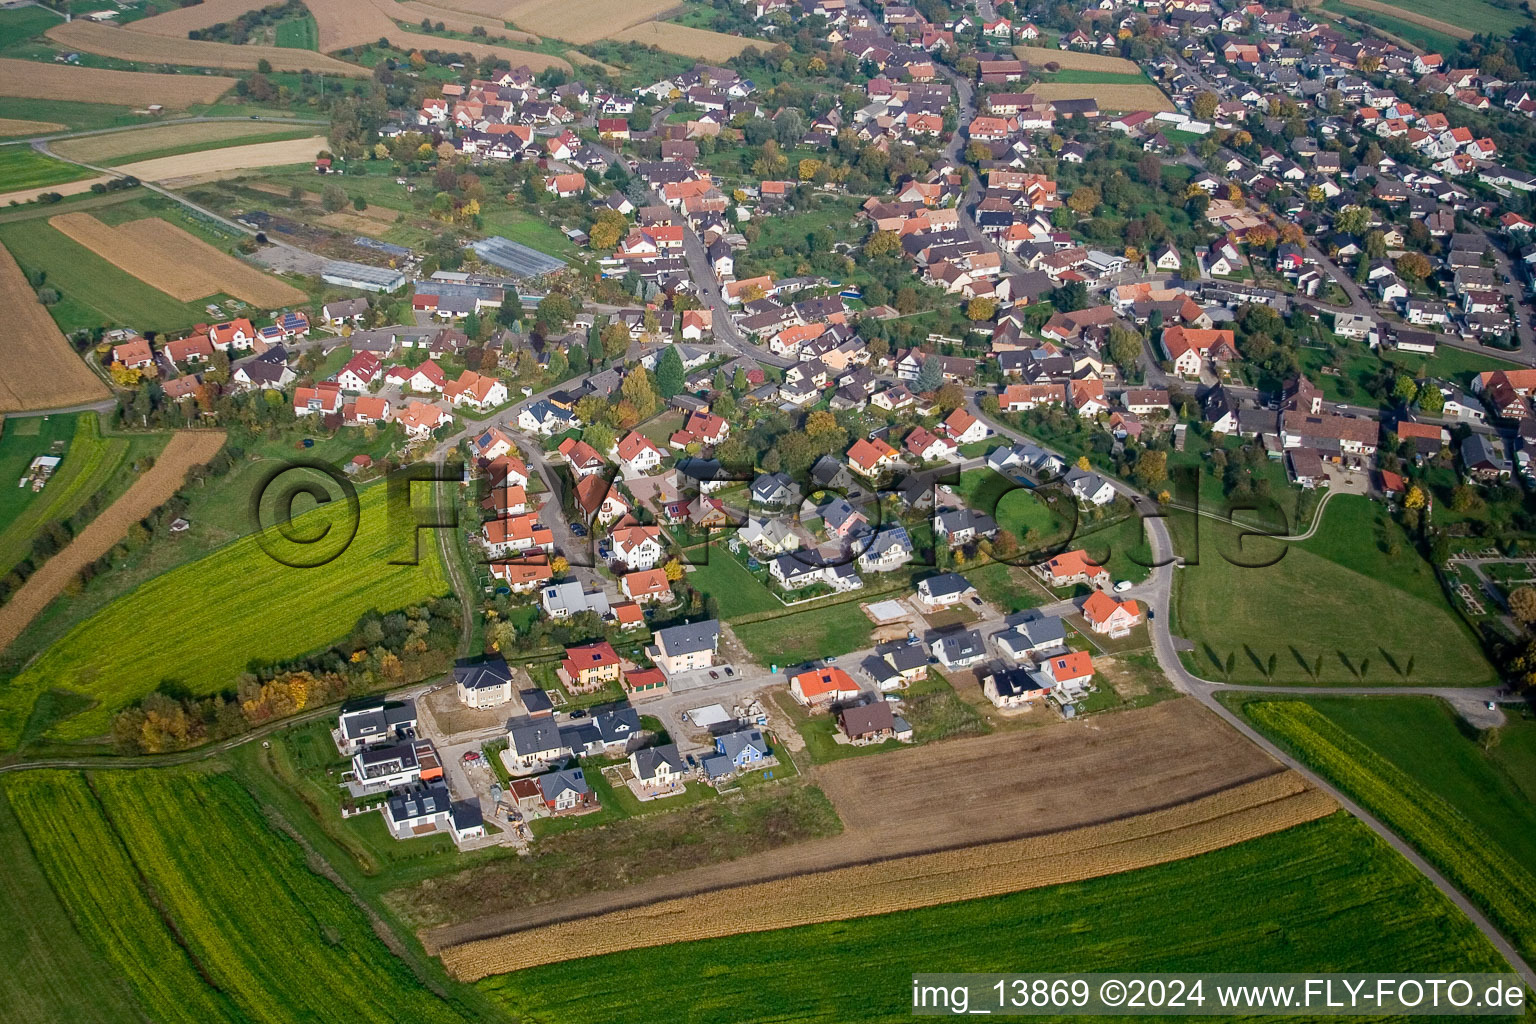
x,y
129,45
187,448
690,42
1199,826
95,85
183,266
916,801
38,367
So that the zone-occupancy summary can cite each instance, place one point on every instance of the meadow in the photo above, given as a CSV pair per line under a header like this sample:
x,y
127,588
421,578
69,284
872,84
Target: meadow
x,y
95,293
1353,604
1233,909
792,637
23,167
24,23
22,439
1471,16
240,927
1463,812
232,608
1428,38
735,590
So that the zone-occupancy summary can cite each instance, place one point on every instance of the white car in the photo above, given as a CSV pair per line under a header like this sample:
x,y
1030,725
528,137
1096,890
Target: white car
x,y
1123,586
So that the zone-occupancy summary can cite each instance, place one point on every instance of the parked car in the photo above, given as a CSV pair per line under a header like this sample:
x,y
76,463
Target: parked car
x,y
1122,586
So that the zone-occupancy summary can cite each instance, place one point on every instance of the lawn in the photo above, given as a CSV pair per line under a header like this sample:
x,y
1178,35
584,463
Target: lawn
x,y
931,707
1077,76
299,33
1033,517
95,293
22,439
240,927
1235,909
1406,760
23,167
735,590
529,229
1009,588
66,979
1355,603
233,608
795,637
23,23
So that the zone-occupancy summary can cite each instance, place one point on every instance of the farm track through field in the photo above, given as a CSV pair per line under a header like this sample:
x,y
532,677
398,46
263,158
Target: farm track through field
x,y
942,796
40,369
125,144
1199,826
28,78
186,449
459,21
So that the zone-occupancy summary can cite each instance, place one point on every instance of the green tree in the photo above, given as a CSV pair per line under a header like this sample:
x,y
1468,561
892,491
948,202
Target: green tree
x,y
1431,400
669,373
333,198
637,391
1405,389
930,376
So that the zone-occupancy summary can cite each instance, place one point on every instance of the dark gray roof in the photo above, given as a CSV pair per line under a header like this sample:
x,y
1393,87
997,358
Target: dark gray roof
x,y
419,801
689,637
482,673
649,759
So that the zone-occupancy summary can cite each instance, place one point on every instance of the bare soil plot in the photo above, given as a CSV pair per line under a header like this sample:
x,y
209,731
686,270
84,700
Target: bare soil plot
x,y
230,158
357,223
284,191
1109,97
176,23
955,794
1199,826
681,39
1076,59
104,149
38,367
187,448
11,126
125,44
91,85
589,21
1443,27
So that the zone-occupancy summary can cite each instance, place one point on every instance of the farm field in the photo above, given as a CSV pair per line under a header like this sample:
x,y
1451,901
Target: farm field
x,y
343,23
26,78
95,294
588,23
1462,22
1148,750
90,461
683,40
1408,28
11,126
22,167
23,23
1074,76
205,950
66,978
1076,59
126,44
1349,600
1244,812
236,159
169,259
1233,909
52,374
177,22
1386,766
166,139
225,598
1140,96
22,439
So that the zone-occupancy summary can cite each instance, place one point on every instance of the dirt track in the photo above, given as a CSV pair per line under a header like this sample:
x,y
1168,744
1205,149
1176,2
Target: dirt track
x,y
187,448
953,794
38,366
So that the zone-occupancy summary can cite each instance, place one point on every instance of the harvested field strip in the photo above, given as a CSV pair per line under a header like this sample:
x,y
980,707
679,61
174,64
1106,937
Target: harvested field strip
x,y
587,22
126,45
458,21
534,60
680,39
177,22
1166,754
1042,55
88,464
166,245
127,144
344,23
1245,812
89,85
92,874
229,159
1443,27
41,369
1478,866
169,259
69,188
11,126
1108,97
185,450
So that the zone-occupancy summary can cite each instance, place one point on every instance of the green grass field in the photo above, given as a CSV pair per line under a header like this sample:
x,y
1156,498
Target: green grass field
x,y
1306,898
1417,35
817,632
240,927
1475,15
23,167
1020,510
233,607
1077,76
299,33
1467,810
24,23
95,293
735,590
66,978
22,439
72,114
1344,596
